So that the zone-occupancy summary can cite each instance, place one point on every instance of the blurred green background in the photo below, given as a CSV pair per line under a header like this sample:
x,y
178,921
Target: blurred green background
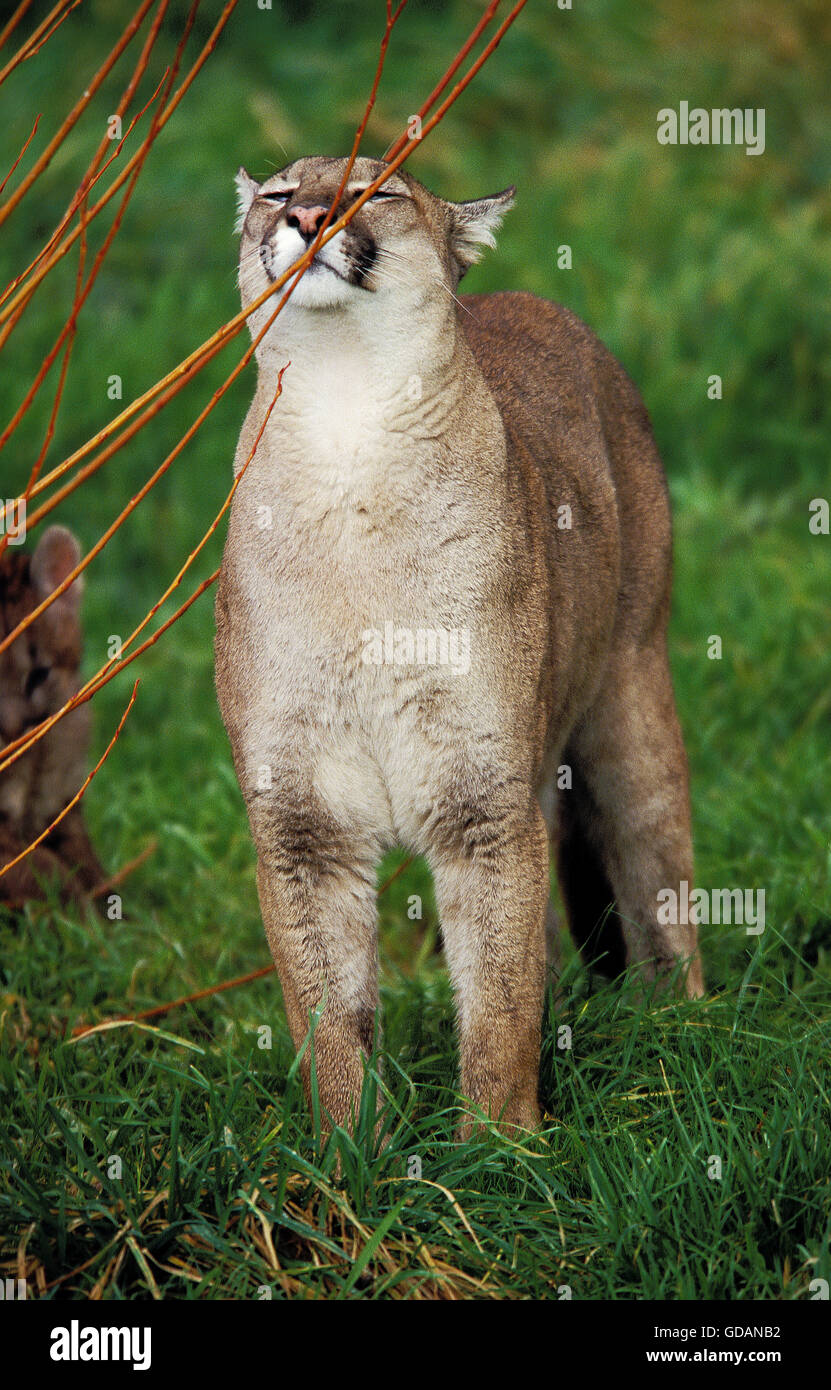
x,y
688,262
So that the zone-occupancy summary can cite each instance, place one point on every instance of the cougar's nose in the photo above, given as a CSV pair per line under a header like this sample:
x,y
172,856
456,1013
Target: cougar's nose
x,y
306,219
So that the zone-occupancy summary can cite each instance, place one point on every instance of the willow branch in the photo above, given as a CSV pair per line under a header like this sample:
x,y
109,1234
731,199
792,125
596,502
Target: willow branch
x,y
35,48
22,152
25,48
68,241
398,144
83,1029
12,23
16,748
115,880
77,111
77,797
93,173
104,249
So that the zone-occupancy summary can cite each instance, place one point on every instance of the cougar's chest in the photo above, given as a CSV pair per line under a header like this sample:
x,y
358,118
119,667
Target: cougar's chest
x,y
364,547
349,601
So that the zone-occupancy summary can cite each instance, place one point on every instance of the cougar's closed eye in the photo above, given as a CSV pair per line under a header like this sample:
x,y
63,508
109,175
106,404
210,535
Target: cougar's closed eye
x,y
378,194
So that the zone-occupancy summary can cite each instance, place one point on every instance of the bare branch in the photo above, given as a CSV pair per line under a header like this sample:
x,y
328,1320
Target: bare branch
x,y
77,111
398,144
77,797
22,152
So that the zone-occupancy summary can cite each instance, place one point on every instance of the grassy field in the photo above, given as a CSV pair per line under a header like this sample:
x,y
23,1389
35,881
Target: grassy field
x,y
178,1160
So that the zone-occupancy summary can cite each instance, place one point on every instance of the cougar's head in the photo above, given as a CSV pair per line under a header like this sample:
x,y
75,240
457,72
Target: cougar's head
x,y
403,243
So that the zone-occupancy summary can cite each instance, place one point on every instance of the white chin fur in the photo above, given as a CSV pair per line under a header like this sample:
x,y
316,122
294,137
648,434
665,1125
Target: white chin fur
x,y
320,287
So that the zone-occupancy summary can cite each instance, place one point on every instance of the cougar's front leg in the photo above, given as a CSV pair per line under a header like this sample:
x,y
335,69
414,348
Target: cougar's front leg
x,y
490,864
317,894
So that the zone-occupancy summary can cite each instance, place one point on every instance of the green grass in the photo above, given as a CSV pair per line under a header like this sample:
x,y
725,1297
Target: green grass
x,y
687,263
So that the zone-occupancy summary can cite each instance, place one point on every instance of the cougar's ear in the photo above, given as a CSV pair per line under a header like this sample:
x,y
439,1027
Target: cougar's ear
x,y
56,555
472,226
247,190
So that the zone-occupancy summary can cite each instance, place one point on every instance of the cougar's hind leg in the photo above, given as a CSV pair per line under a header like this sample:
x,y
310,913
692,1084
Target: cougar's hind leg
x,y
634,815
547,797
587,892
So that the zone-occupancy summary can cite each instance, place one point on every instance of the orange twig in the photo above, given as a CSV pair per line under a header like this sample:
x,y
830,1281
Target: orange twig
x,y
68,334
106,885
70,342
10,26
91,177
77,797
15,749
405,864
47,36
22,152
124,872
150,642
468,77
80,196
23,52
399,144
131,505
77,111
159,394
118,182
102,253
105,674
29,291
83,1029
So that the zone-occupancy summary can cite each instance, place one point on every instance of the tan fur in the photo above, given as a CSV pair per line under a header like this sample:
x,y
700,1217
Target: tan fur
x,y
38,673
412,473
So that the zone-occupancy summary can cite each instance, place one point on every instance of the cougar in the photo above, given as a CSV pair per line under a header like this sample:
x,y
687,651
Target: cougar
x,y
437,466
39,672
